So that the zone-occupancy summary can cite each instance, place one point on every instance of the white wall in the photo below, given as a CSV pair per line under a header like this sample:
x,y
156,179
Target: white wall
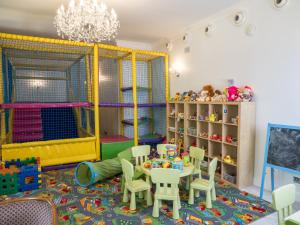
x,y
134,44
269,61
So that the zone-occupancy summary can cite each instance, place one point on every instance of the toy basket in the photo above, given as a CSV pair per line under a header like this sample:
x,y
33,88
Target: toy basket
x,y
178,165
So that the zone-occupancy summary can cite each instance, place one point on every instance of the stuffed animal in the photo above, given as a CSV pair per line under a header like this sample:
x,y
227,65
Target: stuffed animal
x,y
177,97
219,97
232,93
246,94
193,96
205,94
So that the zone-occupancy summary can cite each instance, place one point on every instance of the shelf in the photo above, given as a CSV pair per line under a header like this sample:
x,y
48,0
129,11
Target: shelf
x,y
137,88
231,124
237,121
130,122
226,143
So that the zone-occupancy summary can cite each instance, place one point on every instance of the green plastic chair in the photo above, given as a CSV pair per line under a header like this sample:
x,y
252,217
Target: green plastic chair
x,y
196,158
162,149
283,200
205,185
134,186
166,181
140,153
128,156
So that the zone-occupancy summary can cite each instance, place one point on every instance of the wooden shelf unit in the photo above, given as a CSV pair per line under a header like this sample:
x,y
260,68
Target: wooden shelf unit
x,y
198,131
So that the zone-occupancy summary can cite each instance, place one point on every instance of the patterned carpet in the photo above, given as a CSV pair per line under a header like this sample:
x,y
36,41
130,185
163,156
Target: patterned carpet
x,y
102,204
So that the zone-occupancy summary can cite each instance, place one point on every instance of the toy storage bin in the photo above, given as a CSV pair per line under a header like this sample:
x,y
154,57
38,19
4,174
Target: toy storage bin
x,y
178,165
230,178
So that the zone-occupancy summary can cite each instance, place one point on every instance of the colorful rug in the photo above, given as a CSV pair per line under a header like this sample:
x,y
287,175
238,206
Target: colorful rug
x,y
102,204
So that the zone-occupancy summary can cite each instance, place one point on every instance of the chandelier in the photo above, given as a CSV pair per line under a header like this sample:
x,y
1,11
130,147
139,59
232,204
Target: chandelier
x,y
87,21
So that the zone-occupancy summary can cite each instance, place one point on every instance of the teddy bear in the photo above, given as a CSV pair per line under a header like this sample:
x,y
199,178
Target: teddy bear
x,y
206,93
219,97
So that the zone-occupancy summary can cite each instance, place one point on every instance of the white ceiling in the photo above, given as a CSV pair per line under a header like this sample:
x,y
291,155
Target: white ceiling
x,y
141,20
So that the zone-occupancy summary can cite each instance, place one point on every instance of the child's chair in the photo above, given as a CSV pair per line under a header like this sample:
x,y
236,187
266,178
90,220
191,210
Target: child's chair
x,y
140,153
162,149
283,200
166,181
128,156
134,186
196,157
205,185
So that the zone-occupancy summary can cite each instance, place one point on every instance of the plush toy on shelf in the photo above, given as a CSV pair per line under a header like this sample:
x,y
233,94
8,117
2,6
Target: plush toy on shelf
x,y
172,113
229,159
232,93
216,137
193,96
213,117
178,97
246,94
172,141
180,116
219,97
228,139
206,93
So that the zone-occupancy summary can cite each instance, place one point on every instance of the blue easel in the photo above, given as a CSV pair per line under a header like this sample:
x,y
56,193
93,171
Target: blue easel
x,y
271,166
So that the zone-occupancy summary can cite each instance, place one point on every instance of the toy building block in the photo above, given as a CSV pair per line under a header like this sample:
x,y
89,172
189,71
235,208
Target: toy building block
x,y
9,180
29,178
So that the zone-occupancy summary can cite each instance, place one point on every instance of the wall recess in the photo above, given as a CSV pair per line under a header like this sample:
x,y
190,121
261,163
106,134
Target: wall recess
x,y
239,18
280,3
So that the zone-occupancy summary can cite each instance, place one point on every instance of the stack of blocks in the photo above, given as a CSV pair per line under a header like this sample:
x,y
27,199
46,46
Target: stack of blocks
x,y
20,175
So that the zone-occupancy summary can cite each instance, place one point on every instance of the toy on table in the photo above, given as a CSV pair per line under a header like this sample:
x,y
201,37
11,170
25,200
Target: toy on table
x,y
171,153
177,164
148,164
166,165
172,141
216,137
186,158
229,159
179,145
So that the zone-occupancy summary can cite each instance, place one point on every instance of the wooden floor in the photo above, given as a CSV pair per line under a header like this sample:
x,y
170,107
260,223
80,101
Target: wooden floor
x,y
271,219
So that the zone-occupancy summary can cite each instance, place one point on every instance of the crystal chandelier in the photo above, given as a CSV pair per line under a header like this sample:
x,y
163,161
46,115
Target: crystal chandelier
x,y
87,21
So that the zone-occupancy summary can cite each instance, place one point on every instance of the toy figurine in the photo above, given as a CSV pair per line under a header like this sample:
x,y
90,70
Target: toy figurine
x,y
172,113
216,137
172,141
228,139
229,160
180,116
177,97
171,153
213,117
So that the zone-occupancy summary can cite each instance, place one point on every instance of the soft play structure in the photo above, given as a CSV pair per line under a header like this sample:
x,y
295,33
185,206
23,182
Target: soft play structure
x,y
52,93
48,100
133,90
